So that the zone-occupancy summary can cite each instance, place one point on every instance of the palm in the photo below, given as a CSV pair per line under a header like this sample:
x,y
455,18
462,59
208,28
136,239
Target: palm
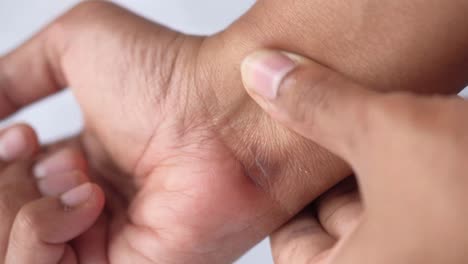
x,y
176,192
184,208
190,208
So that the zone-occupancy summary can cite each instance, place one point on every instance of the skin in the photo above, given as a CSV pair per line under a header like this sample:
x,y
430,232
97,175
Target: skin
x,y
316,232
36,228
169,129
413,183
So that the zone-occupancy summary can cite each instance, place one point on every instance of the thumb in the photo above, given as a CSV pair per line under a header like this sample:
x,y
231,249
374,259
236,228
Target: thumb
x,y
309,98
40,67
43,227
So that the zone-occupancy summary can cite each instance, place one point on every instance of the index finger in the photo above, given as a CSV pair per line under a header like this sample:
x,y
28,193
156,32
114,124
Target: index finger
x,y
37,69
31,72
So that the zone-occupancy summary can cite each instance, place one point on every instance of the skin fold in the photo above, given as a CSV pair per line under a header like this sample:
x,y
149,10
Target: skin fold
x,y
193,170
391,45
413,183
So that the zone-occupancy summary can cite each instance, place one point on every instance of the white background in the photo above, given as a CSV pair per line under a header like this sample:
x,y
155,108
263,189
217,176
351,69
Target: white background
x,y
59,116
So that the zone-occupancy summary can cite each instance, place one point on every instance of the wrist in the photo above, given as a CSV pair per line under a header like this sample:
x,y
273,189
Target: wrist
x,y
293,171
421,49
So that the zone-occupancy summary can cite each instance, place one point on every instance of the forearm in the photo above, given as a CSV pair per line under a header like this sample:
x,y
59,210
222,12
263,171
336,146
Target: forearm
x,y
408,45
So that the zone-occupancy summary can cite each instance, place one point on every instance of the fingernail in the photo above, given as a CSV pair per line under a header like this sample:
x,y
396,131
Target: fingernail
x,y
12,144
263,72
57,163
77,196
57,184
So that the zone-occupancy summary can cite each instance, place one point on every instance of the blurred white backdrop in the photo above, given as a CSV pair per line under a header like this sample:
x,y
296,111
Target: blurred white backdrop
x,y
59,116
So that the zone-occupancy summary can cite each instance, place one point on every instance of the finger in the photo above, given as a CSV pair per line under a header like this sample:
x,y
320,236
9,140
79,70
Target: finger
x,y
31,72
46,59
61,161
56,184
42,228
60,171
91,246
339,210
69,256
17,188
40,59
17,142
301,241
308,98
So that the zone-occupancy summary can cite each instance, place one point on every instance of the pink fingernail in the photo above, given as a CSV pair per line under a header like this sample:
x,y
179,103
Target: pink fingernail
x,y
263,72
12,144
60,162
77,196
54,185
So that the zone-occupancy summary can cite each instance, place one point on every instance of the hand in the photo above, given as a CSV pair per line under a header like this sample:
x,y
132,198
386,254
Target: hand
x,y
177,190
313,234
408,152
169,129
34,229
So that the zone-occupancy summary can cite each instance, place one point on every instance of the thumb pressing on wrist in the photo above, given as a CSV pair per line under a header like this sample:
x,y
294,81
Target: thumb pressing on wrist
x,y
307,97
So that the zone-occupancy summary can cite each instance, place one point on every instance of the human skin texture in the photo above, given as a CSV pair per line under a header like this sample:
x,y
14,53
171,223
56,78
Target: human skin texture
x,y
390,45
413,183
193,170
35,229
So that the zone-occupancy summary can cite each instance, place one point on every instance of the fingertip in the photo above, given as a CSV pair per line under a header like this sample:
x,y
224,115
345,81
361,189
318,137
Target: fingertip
x,y
88,200
19,141
87,194
309,98
62,161
57,184
264,70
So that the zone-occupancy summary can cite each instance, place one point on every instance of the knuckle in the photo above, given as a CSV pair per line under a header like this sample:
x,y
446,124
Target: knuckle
x,y
16,189
294,240
91,5
291,252
359,113
27,220
395,111
26,224
56,37
85,13
413,113
29,136
33,222
429,122
313,89
283,255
